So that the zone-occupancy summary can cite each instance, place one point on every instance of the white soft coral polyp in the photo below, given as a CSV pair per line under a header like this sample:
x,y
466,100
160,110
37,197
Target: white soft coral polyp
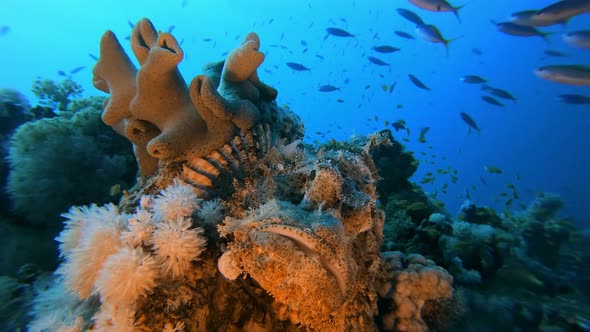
x,y
125,276
176,201
176,245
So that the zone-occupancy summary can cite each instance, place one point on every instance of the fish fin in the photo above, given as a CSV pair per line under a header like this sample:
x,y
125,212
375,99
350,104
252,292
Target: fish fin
x,y
545,36
448,41
456,12
565,22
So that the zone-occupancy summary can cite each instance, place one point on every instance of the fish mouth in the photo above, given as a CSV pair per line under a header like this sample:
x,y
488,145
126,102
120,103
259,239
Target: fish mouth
x,y
311,246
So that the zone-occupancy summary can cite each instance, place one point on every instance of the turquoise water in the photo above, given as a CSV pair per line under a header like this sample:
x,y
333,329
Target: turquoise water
x,y
537,143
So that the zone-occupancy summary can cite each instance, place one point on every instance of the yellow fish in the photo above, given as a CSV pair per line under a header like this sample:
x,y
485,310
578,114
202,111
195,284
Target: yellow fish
x,y
115,190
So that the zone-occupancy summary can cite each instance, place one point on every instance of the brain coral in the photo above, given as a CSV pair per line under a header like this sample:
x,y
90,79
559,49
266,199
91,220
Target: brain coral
x,y
411,281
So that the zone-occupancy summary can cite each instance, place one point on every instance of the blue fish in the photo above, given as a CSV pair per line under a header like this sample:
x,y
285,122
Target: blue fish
x,y
417,82
377,61
77,69
469,121
5,29
410,16
338,32
404,34
492,101
574,99
328,88
392,87
297,66
385,49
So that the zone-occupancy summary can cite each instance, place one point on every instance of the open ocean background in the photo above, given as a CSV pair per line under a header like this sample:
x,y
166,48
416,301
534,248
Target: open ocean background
x,y
540,144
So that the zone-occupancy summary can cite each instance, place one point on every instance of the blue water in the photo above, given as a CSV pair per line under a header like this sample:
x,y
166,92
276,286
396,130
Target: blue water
x,y
540,144
543,141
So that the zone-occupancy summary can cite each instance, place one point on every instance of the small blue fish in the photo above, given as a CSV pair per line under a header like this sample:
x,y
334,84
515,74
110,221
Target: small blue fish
x,y
499,92
432,34
61,73
338,32
582,322
574,99
469,121
473,79
513,29
554,53
171,28
377,61
93,57
437,6
417,82
579,39
297,66
385,49
482,180
392,87
404,34
328,88
410,16
4,30
77,69
492,101
422,136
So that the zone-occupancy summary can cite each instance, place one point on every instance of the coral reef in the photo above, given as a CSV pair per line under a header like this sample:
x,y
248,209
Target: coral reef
x,y
56,96
172,260
57,161
51,158
236,225
14,108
